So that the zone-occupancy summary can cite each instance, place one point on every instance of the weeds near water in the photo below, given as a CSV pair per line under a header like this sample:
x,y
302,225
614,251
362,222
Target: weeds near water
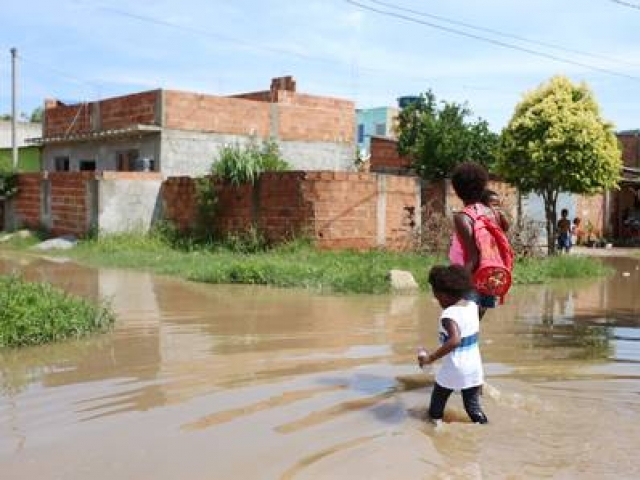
x,y
37,313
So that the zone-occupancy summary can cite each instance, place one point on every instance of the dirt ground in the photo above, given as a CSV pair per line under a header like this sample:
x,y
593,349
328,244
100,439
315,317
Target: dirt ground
x,y
607,252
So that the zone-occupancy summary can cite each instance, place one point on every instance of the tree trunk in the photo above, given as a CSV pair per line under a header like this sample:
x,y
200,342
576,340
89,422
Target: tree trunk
x,y
550,209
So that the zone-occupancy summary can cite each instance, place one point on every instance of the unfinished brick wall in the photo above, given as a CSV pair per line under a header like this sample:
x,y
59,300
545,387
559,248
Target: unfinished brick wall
x,y
108,114
70,203
26,203
344,209
311,118
58,202
179,201
337,209
122,112
385,156
63,120
207,113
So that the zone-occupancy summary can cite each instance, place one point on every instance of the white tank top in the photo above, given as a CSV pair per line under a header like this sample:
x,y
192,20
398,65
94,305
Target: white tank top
x,y
462,367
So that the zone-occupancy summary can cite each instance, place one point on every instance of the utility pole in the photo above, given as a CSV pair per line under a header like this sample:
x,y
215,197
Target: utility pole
x,y
14,108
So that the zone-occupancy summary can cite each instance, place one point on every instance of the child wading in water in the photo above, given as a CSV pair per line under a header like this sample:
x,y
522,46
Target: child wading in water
x,y
459,327
469,180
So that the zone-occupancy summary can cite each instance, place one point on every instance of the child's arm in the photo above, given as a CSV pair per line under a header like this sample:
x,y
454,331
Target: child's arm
x,y
453,340
464,229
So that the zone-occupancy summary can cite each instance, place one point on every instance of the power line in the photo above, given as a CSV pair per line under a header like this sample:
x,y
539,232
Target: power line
x,y
503,34
626,4
208,33
490,40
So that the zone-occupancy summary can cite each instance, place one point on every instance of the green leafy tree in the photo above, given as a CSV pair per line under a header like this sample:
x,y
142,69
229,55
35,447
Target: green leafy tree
x,y
557,141
438,136
36,115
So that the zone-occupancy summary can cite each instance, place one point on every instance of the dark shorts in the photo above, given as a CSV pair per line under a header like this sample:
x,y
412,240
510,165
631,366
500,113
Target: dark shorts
x,y
564,241
484,301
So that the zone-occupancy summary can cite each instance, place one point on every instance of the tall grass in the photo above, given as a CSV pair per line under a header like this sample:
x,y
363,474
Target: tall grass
x,y
246,260
37,313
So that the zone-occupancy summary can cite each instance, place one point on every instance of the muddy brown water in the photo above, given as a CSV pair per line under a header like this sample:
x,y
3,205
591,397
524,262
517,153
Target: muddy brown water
x,y
234,382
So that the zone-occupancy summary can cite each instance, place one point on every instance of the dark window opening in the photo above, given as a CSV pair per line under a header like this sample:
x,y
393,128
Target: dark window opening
x,y
61,164
87,165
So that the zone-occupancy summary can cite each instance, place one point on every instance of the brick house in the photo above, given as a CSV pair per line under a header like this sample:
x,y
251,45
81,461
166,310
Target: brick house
x,y
180,133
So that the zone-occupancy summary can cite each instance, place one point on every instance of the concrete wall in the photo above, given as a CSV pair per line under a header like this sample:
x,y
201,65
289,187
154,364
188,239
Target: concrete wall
x,y
128,201
104,152
24,130
192,153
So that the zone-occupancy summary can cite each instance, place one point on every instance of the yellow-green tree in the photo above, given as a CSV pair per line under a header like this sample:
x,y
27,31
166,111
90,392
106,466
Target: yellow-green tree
x,y
557,141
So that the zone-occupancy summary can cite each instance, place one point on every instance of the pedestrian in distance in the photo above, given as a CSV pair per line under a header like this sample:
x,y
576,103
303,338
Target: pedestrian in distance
x,y
492,200
564,232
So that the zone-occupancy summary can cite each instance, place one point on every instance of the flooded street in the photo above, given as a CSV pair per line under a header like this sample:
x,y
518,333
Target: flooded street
x,y
235,382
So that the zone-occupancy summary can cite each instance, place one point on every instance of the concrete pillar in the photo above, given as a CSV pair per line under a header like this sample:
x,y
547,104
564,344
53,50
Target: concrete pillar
x,y
381,216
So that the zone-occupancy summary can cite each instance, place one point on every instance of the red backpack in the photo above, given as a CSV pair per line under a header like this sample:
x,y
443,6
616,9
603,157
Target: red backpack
x,y
495,255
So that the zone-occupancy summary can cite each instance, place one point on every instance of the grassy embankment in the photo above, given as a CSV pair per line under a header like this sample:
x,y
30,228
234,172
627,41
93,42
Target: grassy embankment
x,y
296,264
37,313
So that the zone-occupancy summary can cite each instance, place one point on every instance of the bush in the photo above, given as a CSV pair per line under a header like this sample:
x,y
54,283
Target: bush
x,y
435,236
8,181
239,165
37,313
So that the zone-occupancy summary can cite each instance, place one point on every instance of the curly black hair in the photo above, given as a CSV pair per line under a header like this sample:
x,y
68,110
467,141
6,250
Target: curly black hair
x,y
453,280
469,180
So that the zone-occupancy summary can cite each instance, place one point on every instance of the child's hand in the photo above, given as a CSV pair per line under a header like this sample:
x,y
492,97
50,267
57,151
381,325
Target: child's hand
x,y
422,357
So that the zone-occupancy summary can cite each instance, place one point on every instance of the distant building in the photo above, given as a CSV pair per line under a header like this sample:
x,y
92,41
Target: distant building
x,y
28,155
374,122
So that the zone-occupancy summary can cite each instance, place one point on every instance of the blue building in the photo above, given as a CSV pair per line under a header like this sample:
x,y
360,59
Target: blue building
x,y
379,122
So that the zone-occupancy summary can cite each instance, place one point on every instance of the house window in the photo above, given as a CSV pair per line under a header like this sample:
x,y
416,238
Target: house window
x,y
87,165
126,160
360,133
61,164
381,129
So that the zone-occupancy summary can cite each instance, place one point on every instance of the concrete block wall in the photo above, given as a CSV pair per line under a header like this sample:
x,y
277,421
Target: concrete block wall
x,y
128,201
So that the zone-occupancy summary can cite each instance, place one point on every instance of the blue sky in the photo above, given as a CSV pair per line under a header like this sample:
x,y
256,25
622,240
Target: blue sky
x,y
486,53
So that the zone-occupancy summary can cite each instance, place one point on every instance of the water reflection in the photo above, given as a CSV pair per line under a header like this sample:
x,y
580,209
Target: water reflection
x,y
203,359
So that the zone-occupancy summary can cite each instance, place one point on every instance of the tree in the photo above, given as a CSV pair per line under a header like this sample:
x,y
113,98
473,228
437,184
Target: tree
x,y
36,115
438,137
556,141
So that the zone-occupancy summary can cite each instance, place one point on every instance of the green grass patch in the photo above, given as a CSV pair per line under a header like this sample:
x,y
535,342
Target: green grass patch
x,y
295,264
538,270
38,313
